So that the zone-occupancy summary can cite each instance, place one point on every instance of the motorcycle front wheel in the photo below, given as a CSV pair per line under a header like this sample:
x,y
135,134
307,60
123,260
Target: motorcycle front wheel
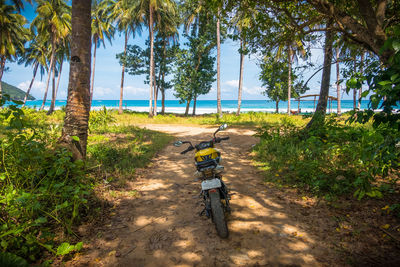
x,y
218,215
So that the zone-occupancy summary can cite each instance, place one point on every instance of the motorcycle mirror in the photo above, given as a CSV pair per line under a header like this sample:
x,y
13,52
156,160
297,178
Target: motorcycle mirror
x,y
223,126
178,143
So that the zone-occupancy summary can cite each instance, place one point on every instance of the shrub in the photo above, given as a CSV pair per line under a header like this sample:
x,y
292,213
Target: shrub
x,y
100,119
330,160
41,189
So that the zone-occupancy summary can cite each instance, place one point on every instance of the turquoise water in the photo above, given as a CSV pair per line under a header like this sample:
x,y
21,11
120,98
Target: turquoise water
x,y
209,106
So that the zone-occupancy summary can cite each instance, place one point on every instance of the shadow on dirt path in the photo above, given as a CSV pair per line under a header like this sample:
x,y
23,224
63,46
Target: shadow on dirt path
x,y
161,226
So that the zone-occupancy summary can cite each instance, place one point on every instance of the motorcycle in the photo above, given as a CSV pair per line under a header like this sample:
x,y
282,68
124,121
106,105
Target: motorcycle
x,y
209,170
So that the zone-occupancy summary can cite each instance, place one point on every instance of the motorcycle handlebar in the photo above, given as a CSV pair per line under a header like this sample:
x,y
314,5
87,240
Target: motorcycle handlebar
x,y
191,147
187,150
219,139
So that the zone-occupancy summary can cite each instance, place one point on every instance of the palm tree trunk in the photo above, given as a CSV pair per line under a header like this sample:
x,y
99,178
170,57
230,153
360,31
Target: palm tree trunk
x,y
240,76
290,53
360,89
121,93
151,110
155,93
163,78
338,89
187,107
93,69
355,89
53,91
59,75
194,104
30,85
163,101
78,103
320,111
219,109
53,54
2,67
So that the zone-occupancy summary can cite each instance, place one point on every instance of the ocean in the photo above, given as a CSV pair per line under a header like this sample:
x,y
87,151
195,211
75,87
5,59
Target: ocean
x,y
208,106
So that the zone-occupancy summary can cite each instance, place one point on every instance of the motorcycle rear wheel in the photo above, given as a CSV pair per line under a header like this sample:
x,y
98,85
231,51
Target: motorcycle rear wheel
x,y
218,215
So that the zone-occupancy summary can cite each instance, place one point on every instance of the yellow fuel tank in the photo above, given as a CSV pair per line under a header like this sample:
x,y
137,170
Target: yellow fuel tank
x,y
205,154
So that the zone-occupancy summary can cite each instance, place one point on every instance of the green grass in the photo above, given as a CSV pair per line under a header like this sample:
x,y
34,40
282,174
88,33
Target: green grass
x,y
45,194
331,160
122,149
245,119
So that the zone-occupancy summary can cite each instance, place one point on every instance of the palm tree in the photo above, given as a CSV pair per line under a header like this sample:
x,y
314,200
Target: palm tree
x,y
13,35
52,22
339,106
20,4
294,46
215,7
167,30
241,22
123,13
219,109
320,111
36,54
151,12
62,53
75,130
102,28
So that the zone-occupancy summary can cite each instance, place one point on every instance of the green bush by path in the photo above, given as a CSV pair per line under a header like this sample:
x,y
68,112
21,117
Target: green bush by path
x,y
41,189
43,194
122,149
331,160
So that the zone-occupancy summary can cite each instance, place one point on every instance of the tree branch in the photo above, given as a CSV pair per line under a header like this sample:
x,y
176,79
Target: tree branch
x,y
380,12
347,22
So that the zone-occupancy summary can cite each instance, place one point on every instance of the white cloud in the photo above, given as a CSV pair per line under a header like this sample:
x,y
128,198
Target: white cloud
x,y
233,83
136,90
37,89
100,92
255,90
130,92
37,86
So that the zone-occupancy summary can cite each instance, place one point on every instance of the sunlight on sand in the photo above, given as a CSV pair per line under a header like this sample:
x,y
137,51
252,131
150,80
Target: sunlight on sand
x,y
242,226
191,256
255,253
154,186
143,220
183,243
298,246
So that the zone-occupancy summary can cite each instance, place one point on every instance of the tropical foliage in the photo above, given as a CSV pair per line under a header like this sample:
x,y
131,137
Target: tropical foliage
x,y
331,160
47,179
13,35
53,25
275,75
102,29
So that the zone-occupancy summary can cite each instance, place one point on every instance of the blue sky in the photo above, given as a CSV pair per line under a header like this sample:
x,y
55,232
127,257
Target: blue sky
x,y
108,73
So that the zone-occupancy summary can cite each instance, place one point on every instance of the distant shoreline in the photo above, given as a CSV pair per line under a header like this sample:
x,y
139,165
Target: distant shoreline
x,y
201,111
209,106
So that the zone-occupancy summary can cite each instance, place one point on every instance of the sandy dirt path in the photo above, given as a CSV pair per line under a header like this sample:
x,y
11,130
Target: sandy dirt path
x,y
162,227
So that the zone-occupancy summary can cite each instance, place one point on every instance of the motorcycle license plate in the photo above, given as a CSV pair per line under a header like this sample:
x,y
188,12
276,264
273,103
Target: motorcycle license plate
x,y
210,184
